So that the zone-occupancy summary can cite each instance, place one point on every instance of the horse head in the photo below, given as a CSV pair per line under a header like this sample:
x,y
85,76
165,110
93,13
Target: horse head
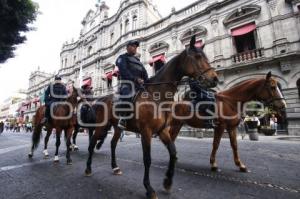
x,y
195,64
74,95
271,93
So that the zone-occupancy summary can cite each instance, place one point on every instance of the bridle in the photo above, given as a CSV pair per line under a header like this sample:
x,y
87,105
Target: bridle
x,y
269,102
201,76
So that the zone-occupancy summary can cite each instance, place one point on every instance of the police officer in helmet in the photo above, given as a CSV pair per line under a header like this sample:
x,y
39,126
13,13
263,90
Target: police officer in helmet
x,y
131,70
54,93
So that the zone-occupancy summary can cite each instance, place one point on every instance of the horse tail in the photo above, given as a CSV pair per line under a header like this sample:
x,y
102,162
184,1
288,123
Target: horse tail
x,y
36,135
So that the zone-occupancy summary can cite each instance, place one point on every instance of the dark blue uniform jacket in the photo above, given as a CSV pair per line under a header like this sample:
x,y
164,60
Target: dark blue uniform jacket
x,y
130,69
59,91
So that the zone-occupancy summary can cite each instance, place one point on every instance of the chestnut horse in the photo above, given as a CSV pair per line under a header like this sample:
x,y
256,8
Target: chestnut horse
x,y
64,120
191,62
265,90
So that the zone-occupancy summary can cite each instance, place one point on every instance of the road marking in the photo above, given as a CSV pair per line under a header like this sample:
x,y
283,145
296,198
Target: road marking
x,y
7,168
12,148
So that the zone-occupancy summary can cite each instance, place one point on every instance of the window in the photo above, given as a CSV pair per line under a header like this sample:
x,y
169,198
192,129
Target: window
x,y
62,63
121,29
90,50
111,38
74,59
126,25
244,38
134,22
66,62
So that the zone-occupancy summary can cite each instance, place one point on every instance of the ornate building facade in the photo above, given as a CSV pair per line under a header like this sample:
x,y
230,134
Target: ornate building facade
x,y
243,39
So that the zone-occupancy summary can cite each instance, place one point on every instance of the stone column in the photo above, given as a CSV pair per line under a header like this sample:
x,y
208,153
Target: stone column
x,y
280,41
218,56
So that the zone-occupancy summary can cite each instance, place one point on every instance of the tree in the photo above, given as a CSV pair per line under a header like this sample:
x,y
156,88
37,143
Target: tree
x,y
15,15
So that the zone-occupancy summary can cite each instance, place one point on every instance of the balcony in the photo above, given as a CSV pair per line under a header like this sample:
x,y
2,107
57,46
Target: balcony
x,y
246,56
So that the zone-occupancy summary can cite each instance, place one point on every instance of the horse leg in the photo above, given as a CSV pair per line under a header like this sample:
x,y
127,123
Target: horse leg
x,y
113,145
233,142
74,147
57,144
45,152
146,144
102,137
174,130
68,135
217,138
91,130
166,139
36,135
93,142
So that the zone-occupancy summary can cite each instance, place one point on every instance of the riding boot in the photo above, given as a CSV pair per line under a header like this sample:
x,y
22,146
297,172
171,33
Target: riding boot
x,y
47,115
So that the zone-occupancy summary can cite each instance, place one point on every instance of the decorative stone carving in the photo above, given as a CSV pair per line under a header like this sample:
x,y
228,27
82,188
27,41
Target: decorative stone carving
x,y
90,39
285,66
134,12
199,31
159,46
272,4
245,12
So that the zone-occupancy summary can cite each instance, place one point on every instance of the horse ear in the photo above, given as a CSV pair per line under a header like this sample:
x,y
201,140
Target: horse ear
x,y
193,42
269,75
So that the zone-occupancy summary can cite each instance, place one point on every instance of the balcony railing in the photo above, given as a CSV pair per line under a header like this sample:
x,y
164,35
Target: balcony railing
x,y
248,55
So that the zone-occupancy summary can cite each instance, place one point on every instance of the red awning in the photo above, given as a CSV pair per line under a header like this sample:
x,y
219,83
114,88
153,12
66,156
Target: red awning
x,y
243,30
157,58
109,75
199,44
23,108
115,72
87,81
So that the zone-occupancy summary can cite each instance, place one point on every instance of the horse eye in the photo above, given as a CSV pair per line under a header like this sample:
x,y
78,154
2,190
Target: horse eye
x,y
273,87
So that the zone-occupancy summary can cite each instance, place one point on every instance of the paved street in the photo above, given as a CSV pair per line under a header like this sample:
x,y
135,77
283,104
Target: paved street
x,y
274,165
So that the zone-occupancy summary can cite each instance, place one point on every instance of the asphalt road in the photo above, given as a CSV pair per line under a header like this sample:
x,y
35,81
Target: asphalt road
x,y
274,165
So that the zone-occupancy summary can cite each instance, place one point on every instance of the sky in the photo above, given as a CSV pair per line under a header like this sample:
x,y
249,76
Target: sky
x,y
59,21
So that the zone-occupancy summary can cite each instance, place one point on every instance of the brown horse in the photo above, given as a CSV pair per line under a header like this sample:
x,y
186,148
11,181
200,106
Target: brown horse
x,y
191,62
64,120
262,89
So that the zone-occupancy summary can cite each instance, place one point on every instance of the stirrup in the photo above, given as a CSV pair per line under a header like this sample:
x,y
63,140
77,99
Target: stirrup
x,y
122,124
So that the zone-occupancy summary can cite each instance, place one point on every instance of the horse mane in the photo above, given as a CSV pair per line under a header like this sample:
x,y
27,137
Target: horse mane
x,y
240,84
164,68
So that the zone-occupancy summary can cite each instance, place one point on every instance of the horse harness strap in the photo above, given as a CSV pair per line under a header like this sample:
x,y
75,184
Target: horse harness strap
x,y
269,101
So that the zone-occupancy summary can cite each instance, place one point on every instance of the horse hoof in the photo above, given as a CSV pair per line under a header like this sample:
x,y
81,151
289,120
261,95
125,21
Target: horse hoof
x,y
88,173
151,196
244,170
30,155
69,162
117,171
46,157
98,146
76,149
56,159
215,169
167,185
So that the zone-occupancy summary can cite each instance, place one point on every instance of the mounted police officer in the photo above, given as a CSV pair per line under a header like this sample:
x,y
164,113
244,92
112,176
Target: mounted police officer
x,y
56,92
132,75
207,100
